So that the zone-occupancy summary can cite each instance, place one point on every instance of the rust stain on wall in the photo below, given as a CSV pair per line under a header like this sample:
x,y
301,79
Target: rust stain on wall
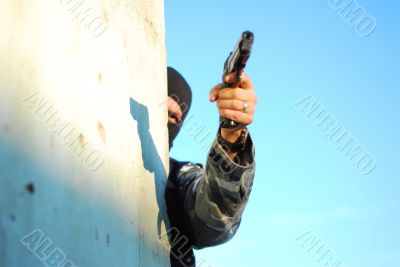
x,y
102,131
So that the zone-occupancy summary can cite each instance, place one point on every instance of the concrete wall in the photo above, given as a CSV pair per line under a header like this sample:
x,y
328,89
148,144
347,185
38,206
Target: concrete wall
x,y
83,142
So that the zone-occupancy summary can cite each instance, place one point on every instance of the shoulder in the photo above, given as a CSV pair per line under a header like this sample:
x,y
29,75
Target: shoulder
x,y
178,168
183,173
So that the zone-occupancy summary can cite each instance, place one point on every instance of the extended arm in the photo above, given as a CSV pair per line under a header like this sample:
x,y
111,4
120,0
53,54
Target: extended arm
x,y
215,198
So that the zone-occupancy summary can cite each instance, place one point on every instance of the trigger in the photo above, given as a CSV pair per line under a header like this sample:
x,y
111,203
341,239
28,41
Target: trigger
x,y
238,76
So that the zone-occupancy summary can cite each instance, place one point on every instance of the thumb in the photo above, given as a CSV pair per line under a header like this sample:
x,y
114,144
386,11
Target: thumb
x,y
214,92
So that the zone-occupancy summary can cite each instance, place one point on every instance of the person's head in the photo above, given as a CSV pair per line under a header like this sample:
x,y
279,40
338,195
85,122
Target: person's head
x,y
179,101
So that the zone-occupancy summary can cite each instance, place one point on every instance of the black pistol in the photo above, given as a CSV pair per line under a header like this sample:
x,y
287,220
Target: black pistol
x,y
236,62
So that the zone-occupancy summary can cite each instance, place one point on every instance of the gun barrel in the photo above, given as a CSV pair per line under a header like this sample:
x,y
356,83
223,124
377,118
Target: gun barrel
x,y
238,57
247,41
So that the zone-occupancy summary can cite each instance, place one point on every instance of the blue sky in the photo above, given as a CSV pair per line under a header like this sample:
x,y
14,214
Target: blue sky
x,y
303,182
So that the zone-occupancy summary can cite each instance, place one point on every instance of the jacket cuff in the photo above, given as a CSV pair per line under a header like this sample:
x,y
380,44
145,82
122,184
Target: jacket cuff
x,y
228,167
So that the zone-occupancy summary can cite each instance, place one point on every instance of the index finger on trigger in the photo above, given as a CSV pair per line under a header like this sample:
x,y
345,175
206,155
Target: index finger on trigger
x,y
245,81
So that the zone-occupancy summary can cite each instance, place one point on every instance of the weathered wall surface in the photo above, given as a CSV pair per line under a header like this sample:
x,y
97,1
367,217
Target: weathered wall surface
x,y
83,142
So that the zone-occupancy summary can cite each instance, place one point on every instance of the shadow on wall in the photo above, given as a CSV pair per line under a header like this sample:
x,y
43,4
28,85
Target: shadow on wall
x,y
181,253
2,241
151,160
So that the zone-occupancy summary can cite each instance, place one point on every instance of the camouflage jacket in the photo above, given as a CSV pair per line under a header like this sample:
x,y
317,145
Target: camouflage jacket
x,y
205,205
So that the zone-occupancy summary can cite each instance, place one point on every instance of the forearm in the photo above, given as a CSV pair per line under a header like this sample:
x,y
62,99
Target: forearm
x,y
232,137
216,201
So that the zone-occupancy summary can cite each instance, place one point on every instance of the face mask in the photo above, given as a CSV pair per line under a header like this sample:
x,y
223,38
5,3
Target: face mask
x,y
179,90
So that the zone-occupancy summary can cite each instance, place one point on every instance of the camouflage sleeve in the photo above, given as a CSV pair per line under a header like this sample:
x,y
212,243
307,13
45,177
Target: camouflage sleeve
x,y
215,197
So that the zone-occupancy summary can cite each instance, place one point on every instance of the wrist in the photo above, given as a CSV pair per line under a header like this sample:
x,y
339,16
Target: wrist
x,y
229,135
232,141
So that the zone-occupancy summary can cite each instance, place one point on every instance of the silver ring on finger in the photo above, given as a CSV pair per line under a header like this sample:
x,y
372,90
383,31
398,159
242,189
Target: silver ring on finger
x,y
245,106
